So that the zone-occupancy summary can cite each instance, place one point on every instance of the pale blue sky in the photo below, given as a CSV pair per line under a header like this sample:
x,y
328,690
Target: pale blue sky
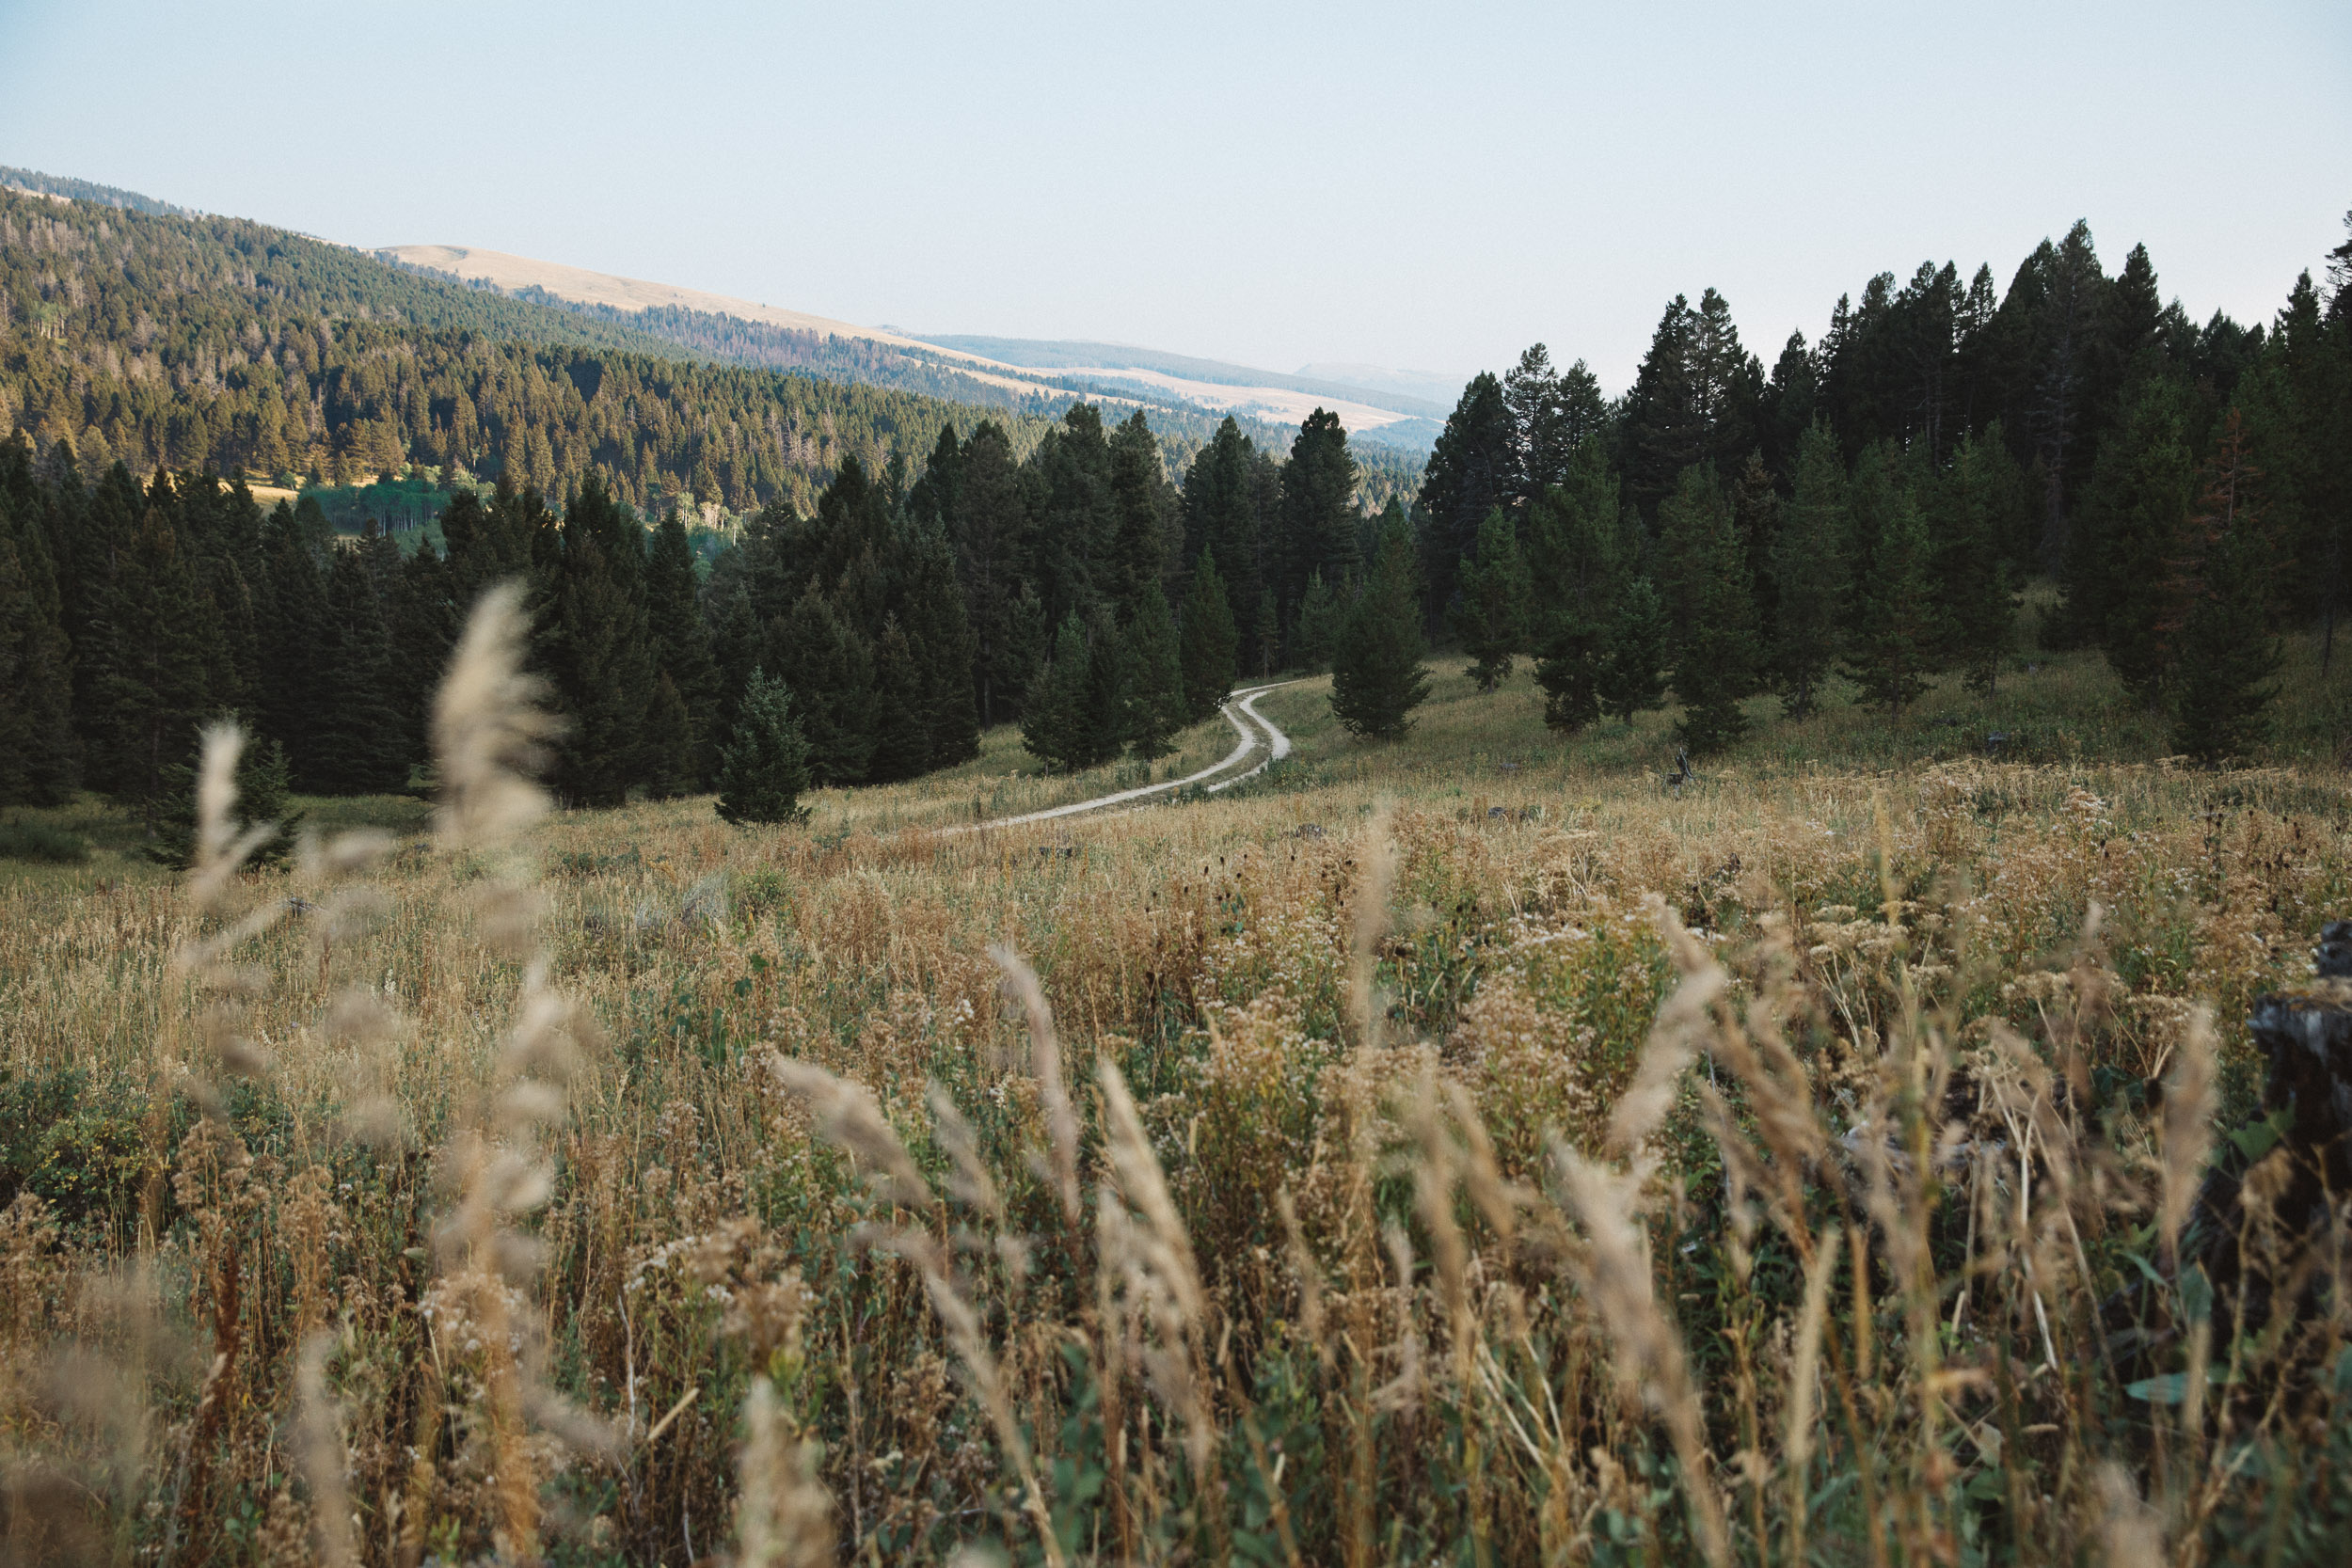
x,y
1430,187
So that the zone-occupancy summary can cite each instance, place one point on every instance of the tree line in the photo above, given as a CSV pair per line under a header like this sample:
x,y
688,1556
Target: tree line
x,y
1873,505
193,342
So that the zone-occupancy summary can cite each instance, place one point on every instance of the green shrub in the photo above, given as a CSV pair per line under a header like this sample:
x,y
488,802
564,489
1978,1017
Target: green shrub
x,y
39,841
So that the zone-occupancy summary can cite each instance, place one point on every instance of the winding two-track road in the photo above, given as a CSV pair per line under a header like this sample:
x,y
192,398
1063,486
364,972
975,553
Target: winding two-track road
x,y
1264,738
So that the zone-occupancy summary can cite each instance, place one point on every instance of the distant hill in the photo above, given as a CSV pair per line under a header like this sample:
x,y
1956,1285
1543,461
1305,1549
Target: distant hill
x,y
1063,353
993,371
83,190
1441,391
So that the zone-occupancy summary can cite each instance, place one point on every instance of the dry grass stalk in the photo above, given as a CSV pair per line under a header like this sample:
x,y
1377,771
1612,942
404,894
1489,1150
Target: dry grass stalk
x,y
783,1513
1061,1118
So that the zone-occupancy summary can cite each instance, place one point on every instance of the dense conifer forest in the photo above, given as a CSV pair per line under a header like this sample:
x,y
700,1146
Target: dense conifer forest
x,y
910,571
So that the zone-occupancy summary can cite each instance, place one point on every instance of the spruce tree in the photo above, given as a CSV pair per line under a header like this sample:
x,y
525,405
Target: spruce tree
x,y
1712,604
1634,657
1899,635
1110,676
1810,565
763,768
1377,677
1490,614
1154,697
1209,640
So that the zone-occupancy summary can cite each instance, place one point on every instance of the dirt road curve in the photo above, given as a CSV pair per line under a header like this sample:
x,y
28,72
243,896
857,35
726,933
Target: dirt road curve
x,y
1265,738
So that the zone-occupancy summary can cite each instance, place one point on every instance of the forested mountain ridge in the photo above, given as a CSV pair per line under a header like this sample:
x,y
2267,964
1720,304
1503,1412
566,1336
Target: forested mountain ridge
x,y
196,342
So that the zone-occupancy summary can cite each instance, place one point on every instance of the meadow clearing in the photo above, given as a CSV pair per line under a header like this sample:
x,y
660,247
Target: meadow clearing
x,y
1464,1151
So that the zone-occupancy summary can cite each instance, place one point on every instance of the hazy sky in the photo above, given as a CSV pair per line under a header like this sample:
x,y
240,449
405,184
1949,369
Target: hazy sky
x,y
1430,187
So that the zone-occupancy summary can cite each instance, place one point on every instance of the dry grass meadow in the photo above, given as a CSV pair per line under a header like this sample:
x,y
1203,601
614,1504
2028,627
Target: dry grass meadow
x,y
1464,1151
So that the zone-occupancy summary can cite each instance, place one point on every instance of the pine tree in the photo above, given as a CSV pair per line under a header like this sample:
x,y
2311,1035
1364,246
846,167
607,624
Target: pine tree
x,y
2226,656
1138,495
1975,582
2122,580
1058,720
1712,608
1154,697
1575,564
1377,677
903,741
1473,468
1490,614
1222,514
681,646
1899,635
39,756
597,647
357,728
263,783
154,652
763,768
1322,614
1318,506
945,647
824,657
1809,564
1209,641
2225,651
1631,679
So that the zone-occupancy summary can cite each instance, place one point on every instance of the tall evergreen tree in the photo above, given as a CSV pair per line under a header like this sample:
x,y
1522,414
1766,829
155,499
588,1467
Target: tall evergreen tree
x,y
1322,614
1712,606
1222,514
358,730
1490,613
902,742
2226,650
1209,641
822,655
1576,562
988,527
1473,468
1061,725
1318,507
1809,562
155,653
1154,695
763,768
945,647
596,646
2121,577
1633,661
1980,496
1139,500
1899,635
1377,677
39,758
681,648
